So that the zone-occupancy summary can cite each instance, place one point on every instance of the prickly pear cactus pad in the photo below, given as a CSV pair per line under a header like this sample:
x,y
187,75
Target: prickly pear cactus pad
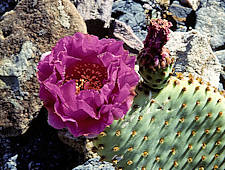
x,y
181,128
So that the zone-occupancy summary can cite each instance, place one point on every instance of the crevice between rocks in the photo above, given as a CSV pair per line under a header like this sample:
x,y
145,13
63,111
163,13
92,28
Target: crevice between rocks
x,y
222,47
10,5
96,27
12,82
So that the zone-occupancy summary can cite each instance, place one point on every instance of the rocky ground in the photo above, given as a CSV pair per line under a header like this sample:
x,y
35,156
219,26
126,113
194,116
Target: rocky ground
x,y
29,28
38,148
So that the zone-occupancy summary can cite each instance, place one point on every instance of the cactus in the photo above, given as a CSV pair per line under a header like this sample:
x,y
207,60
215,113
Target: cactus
x,y
154,60
183,126
179,126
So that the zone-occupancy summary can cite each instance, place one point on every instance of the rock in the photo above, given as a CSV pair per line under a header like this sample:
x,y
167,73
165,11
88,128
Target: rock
x,y
194,4
164,3
179,11
210,21
129,20
135,13
194,55
179,16
125,33
5,151
89,149
11,163
131,13
146,6
38,149
205,3
93,164
7,5
79,144
25,33
221,56
95,10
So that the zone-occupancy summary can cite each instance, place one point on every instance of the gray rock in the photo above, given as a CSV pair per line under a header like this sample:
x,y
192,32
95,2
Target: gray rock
x,y
32,28
139,18
147,6
6,151
221,56
131,13
210,21
205,3
11,163
15,73
194,55
95,164
180,15
20,65
135,13
144,0
120,5
194,4
129,19
125,33
95,10
178,10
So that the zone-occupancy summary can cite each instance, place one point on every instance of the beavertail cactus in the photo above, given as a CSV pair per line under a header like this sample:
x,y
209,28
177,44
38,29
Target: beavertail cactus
x,y
154,60
182,127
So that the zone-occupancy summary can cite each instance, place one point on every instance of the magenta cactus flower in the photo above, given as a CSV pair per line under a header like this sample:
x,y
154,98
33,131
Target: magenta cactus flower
x,y
155,62
86,83
154,54
158,34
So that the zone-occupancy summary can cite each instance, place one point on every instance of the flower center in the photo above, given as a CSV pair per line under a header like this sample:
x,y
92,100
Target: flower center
x,y
87,76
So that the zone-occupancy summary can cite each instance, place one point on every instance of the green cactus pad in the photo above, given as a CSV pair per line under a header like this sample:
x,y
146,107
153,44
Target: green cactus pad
x,y
183,127
156,79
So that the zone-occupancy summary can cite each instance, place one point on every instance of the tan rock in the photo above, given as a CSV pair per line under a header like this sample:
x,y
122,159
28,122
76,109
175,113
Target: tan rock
x,y
194,4
98,11
32,28
194,55
124,33
164,3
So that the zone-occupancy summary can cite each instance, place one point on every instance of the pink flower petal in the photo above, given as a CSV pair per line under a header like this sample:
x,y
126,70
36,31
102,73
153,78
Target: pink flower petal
x,y
45,70
54,120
